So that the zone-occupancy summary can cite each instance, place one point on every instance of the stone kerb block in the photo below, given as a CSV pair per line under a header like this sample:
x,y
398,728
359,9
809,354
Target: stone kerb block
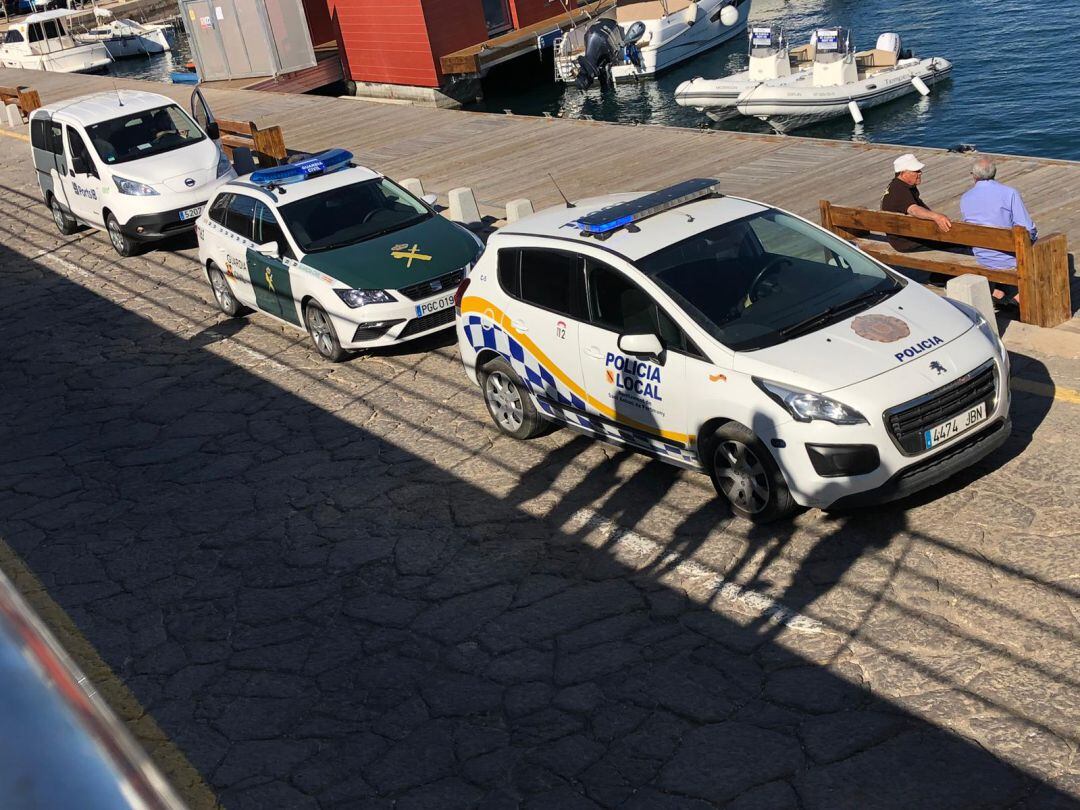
x,y
14,117
516,209
974,291
413,185
463,207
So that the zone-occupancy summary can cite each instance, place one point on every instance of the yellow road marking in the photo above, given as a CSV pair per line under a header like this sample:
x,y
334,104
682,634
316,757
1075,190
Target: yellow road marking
x,y
17,135
1042,389
181,774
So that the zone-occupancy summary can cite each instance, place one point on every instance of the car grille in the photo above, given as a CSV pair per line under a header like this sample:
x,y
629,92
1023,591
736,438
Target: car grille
x,y
426,289
433,321
908,422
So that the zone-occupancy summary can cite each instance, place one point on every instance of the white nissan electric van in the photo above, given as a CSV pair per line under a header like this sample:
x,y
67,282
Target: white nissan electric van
x,y
130,163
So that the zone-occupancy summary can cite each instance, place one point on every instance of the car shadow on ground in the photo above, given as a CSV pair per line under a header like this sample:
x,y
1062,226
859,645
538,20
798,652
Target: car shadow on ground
x,y
321,617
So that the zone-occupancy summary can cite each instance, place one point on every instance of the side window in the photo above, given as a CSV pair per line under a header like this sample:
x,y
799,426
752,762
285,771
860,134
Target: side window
x,y
510,272
219,207
267,229
240,214
674,337
56,138
13,36
617,303
39,133
553,279
78,149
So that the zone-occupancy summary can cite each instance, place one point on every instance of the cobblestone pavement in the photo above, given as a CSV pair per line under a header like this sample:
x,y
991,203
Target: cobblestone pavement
x,y
337,586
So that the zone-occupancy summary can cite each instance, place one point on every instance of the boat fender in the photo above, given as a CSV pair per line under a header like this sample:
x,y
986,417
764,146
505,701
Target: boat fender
x,y
691,13
920,85
856,113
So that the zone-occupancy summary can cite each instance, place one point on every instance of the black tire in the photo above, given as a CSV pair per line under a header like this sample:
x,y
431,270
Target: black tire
x,y
65,223
321,331
223,294
508,401
121,242
746,476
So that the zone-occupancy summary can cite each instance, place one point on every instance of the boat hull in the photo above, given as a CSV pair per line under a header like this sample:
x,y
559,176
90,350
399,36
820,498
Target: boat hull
x,y
677,42
82,59
150,42
799,104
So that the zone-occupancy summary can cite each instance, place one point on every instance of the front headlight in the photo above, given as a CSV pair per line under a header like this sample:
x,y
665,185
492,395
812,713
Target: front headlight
x,y
988,331
358,298
807,406
223,165
133,187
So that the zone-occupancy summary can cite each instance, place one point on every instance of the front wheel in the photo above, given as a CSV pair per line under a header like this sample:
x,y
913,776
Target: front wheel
x,y
121,243
508,402
322,333
744,473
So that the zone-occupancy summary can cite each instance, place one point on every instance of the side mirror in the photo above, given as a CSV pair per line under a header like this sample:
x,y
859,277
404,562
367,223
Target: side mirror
x,y
641,345
430,199
213,131
269,249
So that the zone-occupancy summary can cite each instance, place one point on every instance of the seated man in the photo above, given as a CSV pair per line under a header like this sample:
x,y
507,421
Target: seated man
x,y
902,197
989,202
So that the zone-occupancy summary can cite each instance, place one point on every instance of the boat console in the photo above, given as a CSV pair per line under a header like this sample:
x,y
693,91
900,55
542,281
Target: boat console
x,y
834,60
768,55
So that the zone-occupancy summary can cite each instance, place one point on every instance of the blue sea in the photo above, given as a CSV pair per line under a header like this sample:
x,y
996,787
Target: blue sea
x,y
1015,86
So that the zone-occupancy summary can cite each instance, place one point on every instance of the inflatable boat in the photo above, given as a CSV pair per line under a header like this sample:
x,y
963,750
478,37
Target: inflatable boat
x,y
769,59
841,82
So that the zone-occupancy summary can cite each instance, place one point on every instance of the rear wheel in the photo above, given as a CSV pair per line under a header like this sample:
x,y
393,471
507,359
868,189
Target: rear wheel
x,y
65,223
508,402
322,333
744,472
121,243
223,293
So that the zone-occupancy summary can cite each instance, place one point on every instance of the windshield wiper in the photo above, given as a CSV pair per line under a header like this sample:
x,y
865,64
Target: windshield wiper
x,y
804,326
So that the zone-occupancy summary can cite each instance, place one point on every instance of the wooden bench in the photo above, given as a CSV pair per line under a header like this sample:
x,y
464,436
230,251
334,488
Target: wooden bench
x,y
27,99
267,145
1042,268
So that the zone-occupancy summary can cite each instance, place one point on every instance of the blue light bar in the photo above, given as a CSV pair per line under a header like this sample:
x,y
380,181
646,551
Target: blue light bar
x,y
601,223
322,163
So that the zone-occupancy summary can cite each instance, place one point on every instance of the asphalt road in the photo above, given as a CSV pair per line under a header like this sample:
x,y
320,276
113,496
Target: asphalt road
x,y
338,586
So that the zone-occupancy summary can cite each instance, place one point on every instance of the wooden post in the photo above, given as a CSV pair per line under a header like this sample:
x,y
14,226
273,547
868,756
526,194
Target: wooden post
x,y
1026,276
29,100
826,215
1050,263
269,145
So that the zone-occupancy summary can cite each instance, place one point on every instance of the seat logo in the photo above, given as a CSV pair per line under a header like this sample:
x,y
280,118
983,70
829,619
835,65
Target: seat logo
x,y
409,254
936,366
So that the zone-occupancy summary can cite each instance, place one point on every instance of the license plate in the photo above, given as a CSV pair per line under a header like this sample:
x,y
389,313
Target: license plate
x,y
954,427
190,213
428,307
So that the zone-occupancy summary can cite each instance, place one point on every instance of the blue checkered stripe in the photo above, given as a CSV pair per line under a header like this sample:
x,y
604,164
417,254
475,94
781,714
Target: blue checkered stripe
x,y
542,383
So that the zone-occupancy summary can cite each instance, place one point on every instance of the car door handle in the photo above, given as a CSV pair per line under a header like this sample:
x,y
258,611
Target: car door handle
x,y
592,351
519,326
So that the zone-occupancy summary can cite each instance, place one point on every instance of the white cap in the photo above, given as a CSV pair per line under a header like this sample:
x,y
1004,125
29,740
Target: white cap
x,y
907,163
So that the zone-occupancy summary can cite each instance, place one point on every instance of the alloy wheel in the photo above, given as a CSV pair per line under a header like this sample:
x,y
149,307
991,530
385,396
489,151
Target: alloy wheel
x,y
319,328
741,476
115,236
221,291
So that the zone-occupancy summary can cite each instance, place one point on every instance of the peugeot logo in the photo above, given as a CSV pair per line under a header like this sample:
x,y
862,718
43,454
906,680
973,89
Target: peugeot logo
x,y
190,182
936,366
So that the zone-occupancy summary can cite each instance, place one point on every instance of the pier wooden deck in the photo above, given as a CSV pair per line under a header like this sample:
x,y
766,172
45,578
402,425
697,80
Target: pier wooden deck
x,y
503,157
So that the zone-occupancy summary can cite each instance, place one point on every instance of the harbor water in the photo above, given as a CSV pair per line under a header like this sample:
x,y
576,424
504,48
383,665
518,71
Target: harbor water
x,y
1014,87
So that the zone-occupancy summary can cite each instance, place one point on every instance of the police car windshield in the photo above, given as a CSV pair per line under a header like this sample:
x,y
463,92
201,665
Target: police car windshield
x,y
142,134
767,278
350,214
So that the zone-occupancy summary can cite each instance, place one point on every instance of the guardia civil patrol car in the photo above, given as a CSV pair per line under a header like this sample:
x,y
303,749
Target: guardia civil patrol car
x,y
130,163
726,336
336,249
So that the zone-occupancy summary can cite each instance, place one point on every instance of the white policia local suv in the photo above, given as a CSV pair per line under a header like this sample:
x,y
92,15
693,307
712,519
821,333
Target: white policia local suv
x,y
337,250
129,163
722,335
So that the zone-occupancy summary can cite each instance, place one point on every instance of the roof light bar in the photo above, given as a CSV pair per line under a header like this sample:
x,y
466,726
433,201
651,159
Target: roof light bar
x,y
322,163
607,220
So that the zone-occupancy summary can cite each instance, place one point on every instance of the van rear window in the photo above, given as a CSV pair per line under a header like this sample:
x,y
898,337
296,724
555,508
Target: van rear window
x,y
39,134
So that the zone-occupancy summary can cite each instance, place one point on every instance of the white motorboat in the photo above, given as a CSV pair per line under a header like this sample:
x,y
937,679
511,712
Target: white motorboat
x,y
769,59
43,42
126,38
842,82
639,38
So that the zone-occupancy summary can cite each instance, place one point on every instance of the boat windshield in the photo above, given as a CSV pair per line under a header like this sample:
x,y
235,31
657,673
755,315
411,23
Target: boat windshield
x,y
766,279
142,134
350,214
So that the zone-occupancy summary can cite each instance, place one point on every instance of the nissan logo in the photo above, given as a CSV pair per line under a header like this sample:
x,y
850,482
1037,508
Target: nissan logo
x,y
190,183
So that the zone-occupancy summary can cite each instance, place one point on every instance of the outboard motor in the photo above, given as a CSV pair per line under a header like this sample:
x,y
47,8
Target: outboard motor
x,y
631,39
603,45
889,42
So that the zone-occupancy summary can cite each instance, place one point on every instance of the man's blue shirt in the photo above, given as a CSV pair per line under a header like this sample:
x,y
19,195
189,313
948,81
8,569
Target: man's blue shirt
x,y
992,203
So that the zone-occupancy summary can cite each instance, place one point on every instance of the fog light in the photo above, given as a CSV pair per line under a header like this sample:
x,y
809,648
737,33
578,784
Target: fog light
x,y
139,229
840,460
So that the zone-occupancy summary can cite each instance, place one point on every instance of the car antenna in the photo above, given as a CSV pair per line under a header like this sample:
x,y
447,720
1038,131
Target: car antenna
x,y
568,203
116,90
